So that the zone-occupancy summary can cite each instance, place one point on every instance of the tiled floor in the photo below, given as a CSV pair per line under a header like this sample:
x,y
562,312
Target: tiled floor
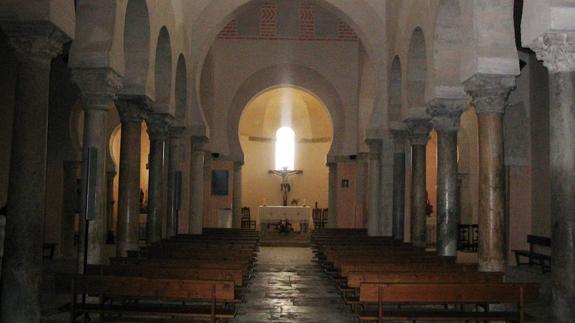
x,y
289,287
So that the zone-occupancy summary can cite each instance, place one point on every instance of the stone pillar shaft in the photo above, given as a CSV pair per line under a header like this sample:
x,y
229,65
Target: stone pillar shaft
x,y
490,95
557,50
158,130
176,134
197,186
419,129
399,185
35,46
69,208
237,197
447,217
446,115
332,196
491,193
374,167
132,110
562,146
418,198
98,89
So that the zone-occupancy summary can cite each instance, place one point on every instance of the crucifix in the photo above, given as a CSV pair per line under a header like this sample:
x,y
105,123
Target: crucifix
x,y
285,186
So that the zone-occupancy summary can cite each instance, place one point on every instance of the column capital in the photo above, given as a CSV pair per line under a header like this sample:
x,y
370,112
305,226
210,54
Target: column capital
x,y
98,86
159,125
133,108
490,92
557,50
178,132
199,143
37,41
374,148
418,130
446,113
399,136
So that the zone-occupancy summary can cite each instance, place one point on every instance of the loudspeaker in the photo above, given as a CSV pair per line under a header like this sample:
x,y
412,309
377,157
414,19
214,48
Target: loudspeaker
x,y
90,174
178,190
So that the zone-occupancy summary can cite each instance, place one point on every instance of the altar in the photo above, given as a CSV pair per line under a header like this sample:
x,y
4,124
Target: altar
x,y
294,214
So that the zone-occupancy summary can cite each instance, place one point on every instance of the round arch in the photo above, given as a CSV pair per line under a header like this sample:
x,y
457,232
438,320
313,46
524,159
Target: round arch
x,y
181,90
275,76
416,70
163,71
395,90
136,47
357,14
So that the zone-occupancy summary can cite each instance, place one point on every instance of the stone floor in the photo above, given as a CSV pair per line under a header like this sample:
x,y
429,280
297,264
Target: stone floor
x,y
289,287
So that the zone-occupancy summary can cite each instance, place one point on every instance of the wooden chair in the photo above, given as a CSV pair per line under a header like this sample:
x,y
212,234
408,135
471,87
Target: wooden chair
x,y
324,217
316,217
247,222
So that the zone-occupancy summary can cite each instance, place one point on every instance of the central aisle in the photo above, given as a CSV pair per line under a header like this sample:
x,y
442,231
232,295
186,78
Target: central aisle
x,y
289,287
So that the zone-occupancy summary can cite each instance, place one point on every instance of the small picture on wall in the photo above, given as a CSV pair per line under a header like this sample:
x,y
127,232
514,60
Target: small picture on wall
x,y
220,182
345,183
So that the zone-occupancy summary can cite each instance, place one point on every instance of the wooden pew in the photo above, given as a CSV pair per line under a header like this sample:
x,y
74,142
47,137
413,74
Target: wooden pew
x,y
214,274
533,255
213,300
350,292
441,294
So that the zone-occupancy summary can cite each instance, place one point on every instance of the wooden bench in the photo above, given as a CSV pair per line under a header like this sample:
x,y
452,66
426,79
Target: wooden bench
x,y
214,274
350,292
48,250
420,298
537,258
138,298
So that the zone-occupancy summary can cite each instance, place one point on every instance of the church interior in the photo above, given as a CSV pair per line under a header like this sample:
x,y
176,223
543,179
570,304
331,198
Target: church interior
x,y
287,161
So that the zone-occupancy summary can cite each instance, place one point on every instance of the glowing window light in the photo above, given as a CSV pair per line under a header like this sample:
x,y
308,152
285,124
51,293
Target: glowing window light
x,y
285,148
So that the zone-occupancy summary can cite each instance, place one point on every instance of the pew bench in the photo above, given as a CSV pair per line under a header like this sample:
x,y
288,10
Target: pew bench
x,y
533,255
141,299
416,301
351,291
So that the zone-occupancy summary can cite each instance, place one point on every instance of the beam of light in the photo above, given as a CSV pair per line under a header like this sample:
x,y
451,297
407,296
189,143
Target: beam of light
x,y
285,148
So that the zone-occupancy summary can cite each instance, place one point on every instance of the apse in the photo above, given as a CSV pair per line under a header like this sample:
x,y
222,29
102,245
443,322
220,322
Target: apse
x,y
285,128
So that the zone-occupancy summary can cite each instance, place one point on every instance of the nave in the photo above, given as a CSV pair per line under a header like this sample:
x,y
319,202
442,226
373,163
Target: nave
x,y
291,284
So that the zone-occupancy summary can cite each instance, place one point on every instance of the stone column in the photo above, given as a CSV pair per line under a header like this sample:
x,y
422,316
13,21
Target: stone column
x,y
332,195
398,184
197,185
98,89
132,110
158,130
418,129
176,135
110,176
557,50
70,204
373,184
35,45
490,94
237,197
446,115
386,185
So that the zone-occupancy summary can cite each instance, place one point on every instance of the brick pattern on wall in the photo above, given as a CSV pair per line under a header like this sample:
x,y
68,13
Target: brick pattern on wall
x,y
268,14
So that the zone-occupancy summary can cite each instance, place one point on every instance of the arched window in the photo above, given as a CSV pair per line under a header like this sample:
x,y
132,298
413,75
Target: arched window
x,y
285,148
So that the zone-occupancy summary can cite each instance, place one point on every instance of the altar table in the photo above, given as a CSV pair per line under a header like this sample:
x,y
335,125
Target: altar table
x,y
294,214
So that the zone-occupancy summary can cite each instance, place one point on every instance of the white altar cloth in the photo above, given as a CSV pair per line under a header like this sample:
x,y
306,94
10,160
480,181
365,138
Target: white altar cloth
x,y
294,214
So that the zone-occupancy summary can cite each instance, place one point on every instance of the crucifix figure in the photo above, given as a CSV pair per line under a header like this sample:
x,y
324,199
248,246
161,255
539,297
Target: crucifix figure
x,y
285,186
